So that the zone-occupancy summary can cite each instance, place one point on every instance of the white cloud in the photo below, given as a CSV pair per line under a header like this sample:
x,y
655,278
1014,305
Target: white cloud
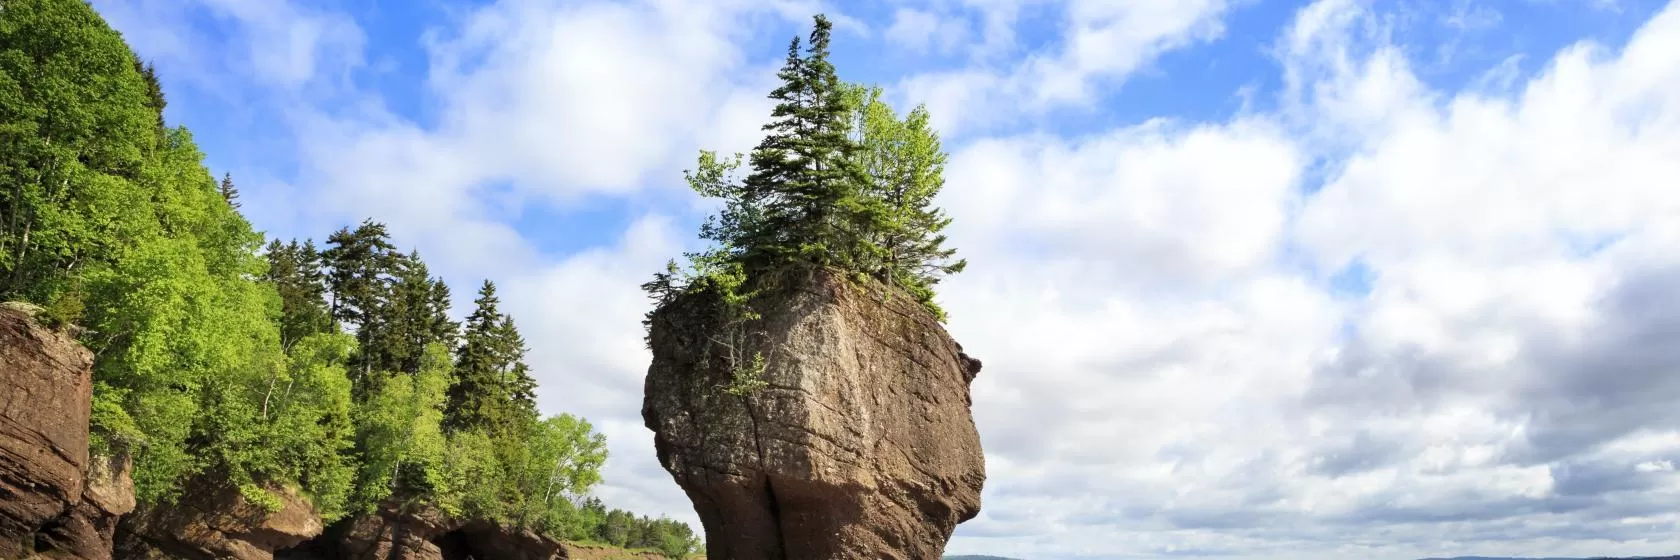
x,y
922,31
275,43
1475,406
1100,44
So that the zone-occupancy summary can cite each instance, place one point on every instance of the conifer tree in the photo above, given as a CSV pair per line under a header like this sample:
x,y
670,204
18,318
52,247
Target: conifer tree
x,y
228,191
415,314
514,376
154,89
799,203
476,390
838,181
295,271
359,280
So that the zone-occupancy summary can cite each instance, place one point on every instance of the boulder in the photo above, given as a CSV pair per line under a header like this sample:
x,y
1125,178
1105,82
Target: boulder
x,y
859,444
214,521
423,533
396,532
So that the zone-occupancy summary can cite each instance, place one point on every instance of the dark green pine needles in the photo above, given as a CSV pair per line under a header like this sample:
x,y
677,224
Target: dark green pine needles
x,y
839,181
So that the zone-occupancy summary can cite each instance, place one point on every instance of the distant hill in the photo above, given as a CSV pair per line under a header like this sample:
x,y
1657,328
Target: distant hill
x,y
978,557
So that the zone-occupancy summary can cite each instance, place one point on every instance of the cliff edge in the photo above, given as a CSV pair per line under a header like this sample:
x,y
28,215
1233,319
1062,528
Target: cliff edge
x,y
855,439
56,500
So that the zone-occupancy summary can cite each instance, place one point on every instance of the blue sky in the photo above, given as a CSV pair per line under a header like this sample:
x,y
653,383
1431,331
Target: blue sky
x,y
1257,279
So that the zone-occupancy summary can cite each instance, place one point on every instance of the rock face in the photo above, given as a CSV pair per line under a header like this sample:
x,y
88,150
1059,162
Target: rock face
x,y
54,499
422,533
216,522
861,445
87,530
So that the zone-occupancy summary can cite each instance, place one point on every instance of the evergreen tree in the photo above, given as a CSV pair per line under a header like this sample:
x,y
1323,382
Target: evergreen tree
x,y
359,280
415,315
295,271
514,376
228,191
154,89
800,202
839,181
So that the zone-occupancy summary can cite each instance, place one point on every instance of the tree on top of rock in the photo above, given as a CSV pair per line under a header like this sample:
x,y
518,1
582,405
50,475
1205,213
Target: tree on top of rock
x,y
839,181
800,202
905,168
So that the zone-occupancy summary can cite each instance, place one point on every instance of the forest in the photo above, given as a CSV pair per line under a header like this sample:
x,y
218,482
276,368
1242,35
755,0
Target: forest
x,y
225,357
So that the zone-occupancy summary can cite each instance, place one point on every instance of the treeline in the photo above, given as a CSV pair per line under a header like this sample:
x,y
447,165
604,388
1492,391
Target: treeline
x,y
624,529
225,358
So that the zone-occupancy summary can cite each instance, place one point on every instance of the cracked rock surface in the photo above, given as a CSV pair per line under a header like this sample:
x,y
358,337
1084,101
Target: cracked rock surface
x,y
860,445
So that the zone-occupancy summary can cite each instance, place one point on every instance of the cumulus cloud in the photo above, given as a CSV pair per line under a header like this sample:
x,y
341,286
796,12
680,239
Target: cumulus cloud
x,y
1100,43
1499,389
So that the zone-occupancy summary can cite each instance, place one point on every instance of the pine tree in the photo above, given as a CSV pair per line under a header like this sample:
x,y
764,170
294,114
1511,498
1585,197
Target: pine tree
x,y
514,382
415,314
295,271
493,390
359,279
799,204
228,191
838,181
154,89
474,392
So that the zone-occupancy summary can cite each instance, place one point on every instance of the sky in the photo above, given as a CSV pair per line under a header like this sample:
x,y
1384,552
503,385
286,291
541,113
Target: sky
x,y
1251,279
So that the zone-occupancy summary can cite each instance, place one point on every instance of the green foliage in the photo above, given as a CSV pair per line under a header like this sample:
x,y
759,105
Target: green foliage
x,y
401,434
840,181
670,538
295,271
748,377
74,133
220,361
492,390
905,167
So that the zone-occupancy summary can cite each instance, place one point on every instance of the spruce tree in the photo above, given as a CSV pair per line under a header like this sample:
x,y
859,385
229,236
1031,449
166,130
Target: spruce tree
x,y
839,181
415,314
228,191
473,394
514,379
295,272
799,204
360,265
493,390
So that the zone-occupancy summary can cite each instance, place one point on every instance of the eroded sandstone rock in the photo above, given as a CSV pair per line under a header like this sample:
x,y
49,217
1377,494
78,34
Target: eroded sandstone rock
x,y
423,533
860,446
215,522
46,390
